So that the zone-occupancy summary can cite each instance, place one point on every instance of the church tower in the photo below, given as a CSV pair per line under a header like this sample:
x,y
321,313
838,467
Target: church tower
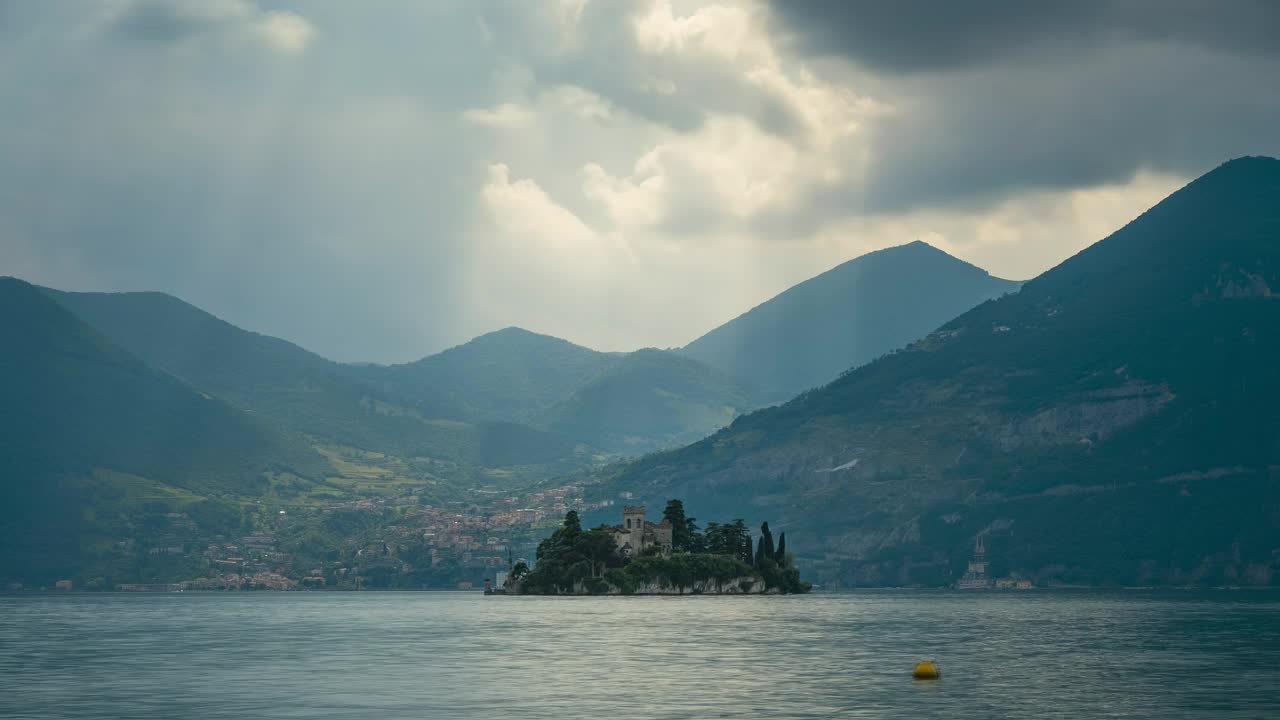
x,y
978,565
633,520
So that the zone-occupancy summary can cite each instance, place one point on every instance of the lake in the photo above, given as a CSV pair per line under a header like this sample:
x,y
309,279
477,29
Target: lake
x,y
1044,654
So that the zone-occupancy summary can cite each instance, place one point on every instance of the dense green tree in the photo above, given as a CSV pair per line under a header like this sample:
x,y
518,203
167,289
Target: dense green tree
x,y
740,541
571,556
713,539
674,514
695,543
781,554
571,522
760,552
598,546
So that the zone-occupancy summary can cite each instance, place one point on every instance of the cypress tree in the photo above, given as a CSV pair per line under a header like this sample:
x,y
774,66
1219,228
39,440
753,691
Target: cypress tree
x,y
781,555
767,538
760,552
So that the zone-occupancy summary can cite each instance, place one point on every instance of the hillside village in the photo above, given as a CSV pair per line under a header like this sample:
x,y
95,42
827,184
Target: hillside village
x,y
453,546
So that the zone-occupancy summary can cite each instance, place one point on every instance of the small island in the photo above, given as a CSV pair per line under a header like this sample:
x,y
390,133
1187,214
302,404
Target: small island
x,y
671,557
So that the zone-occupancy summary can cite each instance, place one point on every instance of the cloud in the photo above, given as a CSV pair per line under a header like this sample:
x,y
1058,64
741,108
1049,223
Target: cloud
x,y
523,210
993,98
728,172
925,35
377,185
285,31
506,116
174,21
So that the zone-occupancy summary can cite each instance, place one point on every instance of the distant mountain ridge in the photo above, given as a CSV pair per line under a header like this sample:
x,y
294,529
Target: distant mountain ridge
x,y
1115,421
622,402
298,389
510,374
77,400
870,305
86,425
650,399
510,397
458,404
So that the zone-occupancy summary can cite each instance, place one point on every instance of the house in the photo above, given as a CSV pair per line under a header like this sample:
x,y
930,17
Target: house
x,y
636,535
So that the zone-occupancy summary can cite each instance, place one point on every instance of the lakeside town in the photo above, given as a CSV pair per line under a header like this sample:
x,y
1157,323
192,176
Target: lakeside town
x,y
451,546
458,545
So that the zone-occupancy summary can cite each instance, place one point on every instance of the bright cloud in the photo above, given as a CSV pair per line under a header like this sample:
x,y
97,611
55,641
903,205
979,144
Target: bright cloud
x,y
380,185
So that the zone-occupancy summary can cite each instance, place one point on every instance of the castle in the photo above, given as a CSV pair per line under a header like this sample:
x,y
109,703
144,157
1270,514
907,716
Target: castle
x,y
635,534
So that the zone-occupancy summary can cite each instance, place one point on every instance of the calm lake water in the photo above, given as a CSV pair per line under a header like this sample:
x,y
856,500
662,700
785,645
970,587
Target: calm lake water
x,y
451,655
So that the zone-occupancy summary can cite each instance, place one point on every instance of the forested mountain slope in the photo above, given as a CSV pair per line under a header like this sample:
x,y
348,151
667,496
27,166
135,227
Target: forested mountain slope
x,y
1116,421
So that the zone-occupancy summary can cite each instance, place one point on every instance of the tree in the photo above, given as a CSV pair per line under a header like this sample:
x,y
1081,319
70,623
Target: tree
x,y
520,570
767,538
781,554
713,539
760,552
674,514
739,541
696,543
572,524
571,556
600,549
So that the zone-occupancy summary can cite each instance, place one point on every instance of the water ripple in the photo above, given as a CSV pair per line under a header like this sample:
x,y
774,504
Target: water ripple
x,y
1161,655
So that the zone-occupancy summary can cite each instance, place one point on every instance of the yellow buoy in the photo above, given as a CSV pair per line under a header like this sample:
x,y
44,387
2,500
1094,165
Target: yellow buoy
x,y
926,670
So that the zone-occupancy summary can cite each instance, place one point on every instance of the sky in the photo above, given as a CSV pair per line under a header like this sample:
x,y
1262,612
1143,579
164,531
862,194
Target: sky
x,y
380,180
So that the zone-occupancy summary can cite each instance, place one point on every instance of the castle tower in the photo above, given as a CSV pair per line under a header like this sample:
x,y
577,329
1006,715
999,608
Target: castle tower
x,y
633,520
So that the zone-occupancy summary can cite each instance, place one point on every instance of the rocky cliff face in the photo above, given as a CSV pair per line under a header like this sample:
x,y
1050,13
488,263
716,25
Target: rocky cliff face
x,y
709,586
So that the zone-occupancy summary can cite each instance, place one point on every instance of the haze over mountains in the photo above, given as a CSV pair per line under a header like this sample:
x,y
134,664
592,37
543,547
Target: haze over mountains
x,y
85,423
845,317
513,397
620,402
1115,421
126,396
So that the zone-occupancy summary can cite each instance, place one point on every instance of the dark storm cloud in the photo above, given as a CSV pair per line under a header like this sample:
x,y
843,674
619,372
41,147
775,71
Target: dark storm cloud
x,y
933,35
162,21
997,98
1097,121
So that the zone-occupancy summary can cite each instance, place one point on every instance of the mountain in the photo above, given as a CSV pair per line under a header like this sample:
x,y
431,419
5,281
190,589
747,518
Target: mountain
x,y
86,424
1115,421
621,402
845,317
300,390
510,375
647,400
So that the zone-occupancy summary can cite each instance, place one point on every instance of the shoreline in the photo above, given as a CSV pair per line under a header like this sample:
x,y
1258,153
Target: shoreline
x,y
815,592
